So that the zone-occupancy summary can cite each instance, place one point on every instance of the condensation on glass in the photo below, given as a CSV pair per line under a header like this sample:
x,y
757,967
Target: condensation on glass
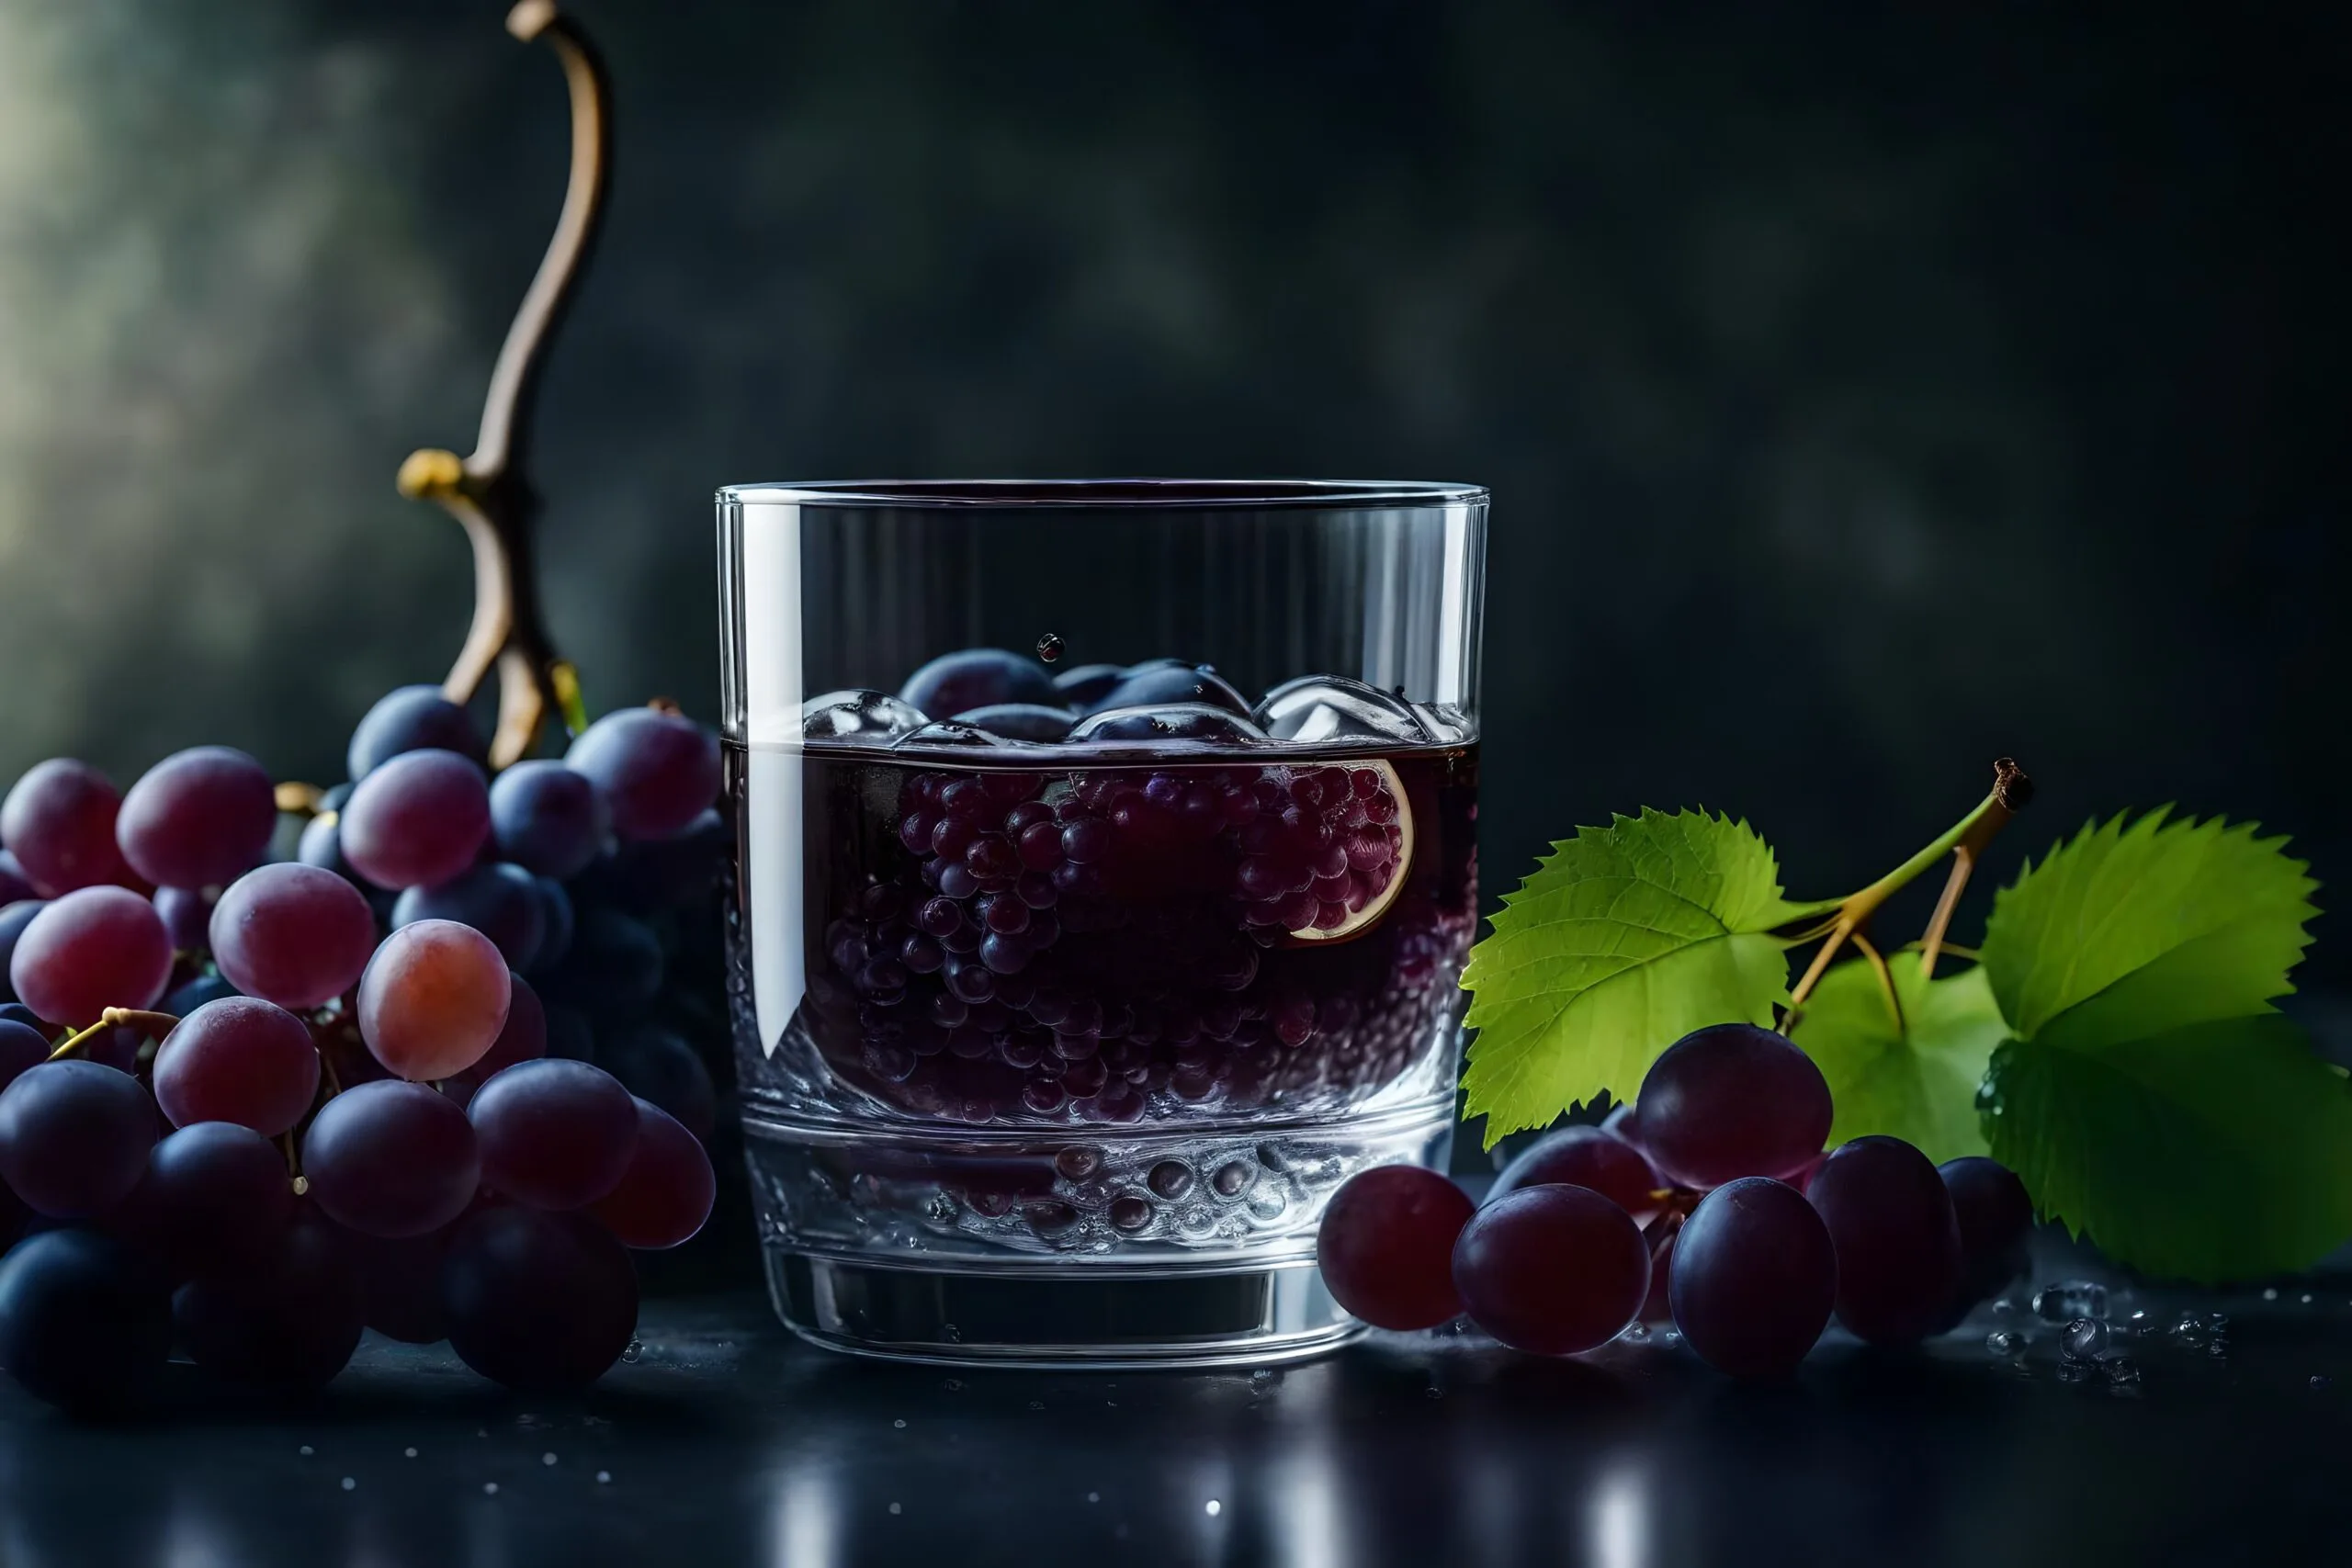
x,y
1060,1015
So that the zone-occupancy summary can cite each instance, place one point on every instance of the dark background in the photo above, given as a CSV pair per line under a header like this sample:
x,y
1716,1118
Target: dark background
x,y
1862,396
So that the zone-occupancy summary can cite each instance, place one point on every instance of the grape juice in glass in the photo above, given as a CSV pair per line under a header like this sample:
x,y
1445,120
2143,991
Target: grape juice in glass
x,y
1106,861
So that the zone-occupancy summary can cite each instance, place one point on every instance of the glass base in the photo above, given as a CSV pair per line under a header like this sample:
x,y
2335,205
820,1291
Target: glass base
x,y
1059,1317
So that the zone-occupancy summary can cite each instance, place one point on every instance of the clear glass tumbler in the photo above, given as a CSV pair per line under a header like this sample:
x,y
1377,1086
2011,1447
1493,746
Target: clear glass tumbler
x,y
1107,862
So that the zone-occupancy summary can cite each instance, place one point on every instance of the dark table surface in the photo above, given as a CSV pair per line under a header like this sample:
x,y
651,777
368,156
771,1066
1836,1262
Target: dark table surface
x,y
725,1440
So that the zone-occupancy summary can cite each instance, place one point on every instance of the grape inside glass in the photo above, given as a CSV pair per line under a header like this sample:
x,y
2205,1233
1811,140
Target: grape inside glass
x,y
1106,861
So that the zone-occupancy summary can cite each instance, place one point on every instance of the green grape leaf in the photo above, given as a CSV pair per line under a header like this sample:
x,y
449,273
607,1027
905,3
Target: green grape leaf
x,y
2150,1097
1912,1076
2215,1151
1625,939
2130,929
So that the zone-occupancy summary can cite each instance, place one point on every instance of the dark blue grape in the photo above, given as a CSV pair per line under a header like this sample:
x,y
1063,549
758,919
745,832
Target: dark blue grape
x,y
14,886
188,918
548,819
652,874
978,678
660,1067
400,1283
568,1036
74,1136
86,1323
502,901
216,1195
412,718
656,771
543,1302
554,905
321,846
13,921
615,961
1019,721
290,1322
22,1048
204,989
1087,685
1162,683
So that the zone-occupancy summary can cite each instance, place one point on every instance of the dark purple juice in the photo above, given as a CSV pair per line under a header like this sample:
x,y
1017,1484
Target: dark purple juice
x,y
1193,937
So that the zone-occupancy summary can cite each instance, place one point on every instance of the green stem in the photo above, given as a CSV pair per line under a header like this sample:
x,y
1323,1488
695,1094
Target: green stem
x,y
155,1024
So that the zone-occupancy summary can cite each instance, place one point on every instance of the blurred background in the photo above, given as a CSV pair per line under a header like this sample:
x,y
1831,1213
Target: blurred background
x,y
1862,397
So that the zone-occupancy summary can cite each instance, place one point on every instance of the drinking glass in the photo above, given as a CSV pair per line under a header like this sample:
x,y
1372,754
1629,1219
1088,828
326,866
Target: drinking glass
x,y
1106,864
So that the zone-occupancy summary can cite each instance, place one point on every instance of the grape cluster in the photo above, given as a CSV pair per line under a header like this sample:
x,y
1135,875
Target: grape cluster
x,y
1709,1200
1097,945
250,1107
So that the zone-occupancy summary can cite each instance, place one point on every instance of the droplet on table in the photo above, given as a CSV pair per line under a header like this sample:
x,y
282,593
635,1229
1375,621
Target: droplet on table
x,y
2003,1342
2070,1298
2083,1338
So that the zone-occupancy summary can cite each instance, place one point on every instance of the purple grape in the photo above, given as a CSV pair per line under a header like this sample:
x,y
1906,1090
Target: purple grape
x,y
665,1194
1755,1275
412,718
400,1283
240,1059
1732,1101
554,1135
539,1302
84,1321
1897,1244
975,678
199,818
92,949
657,771
14,919
548,819
500,901
1087,685
419,818
1994,1215
215,1196
59,822
74,1136
292,934
1586,1156
1162,683
14,886
186,915
22,1048
290,1322
1552,1270
1385,1248
656,1065
391,1160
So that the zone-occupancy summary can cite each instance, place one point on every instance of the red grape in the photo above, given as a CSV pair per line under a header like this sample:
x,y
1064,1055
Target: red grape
x,y
1754,1276
59,822
434,999
74,1136
91,950
1586,1156
238,1059
1733,1100
199,818
540,1302
1898,1245
1386,1246
657,771
665,1195
391,1160
554,1135
215,1196
416,819
292,934
1552,1270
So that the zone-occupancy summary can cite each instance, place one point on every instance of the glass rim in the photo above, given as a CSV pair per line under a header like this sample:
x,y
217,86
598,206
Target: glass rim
x,y
1104,494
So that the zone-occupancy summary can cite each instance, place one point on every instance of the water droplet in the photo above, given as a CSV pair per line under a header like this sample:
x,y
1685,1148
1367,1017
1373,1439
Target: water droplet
x,y
1215,1507
489,1488
2003,1342
2005,1305
603,1478
2083,1338
2120,1371
2190,1331
409,1452
2307,1298
1635,1334
2070,1298
1049,648
2320,1380
2270,1292
900,1423
1261,1375
307,1450
1036,1405
350,1483
2219,1348
894,1507
955,1334
547,1458
636,1352
2074,1371
954,1385
1669,1338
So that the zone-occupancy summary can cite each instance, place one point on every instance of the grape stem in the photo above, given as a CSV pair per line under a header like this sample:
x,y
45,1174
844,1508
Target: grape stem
x,y
158,1024
1966,841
